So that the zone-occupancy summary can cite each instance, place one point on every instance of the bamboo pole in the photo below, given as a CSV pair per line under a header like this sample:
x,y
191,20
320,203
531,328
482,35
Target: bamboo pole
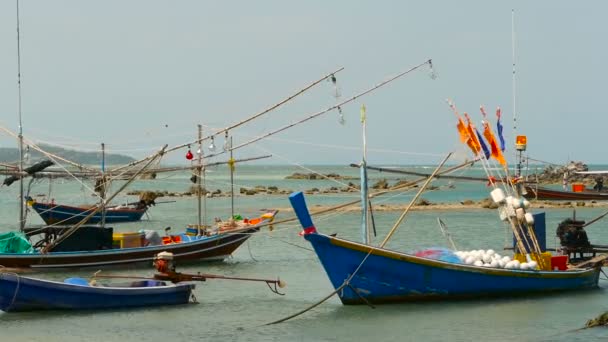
x,y
242,122
420,191
317,114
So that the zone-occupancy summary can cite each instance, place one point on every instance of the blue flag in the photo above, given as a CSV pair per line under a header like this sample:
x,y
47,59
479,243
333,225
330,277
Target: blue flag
x,y
499,130
484,147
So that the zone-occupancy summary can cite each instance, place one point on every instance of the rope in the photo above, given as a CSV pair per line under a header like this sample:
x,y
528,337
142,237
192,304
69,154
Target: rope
x,y
16,287
250,254
346,283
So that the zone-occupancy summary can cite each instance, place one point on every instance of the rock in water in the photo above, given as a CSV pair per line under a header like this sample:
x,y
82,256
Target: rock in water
x,y
599,321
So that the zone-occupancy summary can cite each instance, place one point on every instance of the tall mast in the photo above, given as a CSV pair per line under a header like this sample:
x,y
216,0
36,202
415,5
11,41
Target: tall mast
x,y
102,191
231,163
513,76
199,189
21,209
365,233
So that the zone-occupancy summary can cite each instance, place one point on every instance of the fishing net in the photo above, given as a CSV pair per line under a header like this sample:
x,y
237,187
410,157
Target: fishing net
x,y
438,253
14,242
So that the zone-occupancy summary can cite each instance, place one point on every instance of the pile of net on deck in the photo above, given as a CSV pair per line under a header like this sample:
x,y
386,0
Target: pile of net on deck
x,y
479,257
15,242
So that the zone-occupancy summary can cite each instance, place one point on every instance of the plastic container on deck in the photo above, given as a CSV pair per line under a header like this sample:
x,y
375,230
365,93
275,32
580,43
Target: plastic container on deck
x,y
128,240
578,187
559,262
545,256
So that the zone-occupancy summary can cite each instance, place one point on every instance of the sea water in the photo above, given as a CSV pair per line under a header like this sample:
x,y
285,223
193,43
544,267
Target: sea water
x,y
238,311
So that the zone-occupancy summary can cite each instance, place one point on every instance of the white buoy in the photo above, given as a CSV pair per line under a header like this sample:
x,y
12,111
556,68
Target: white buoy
x,y
526,203
502,214
523,266
520,214
498,196
533,265
478,263
469,260
487,258
529,219
494,263
516,203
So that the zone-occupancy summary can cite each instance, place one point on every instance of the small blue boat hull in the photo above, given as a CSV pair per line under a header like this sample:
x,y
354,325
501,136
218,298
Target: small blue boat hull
x,y
66,215
19,293
387,276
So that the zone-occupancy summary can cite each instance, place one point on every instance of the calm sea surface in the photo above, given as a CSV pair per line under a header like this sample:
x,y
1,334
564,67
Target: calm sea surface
x,y
235,311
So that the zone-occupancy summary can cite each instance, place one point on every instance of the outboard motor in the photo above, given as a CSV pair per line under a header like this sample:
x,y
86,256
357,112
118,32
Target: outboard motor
x,y
572,234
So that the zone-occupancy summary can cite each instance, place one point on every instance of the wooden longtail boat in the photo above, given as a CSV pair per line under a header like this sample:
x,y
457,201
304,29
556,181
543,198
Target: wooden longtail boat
x,y
184,247
541,193
18,293
368,274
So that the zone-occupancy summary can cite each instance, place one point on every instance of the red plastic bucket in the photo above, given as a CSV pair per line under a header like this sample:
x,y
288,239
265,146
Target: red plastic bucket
x,y
559,262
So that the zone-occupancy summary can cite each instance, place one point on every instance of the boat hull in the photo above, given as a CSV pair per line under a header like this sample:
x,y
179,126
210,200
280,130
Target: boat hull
x,y
215,247
19,293
66,215
389,277
558,195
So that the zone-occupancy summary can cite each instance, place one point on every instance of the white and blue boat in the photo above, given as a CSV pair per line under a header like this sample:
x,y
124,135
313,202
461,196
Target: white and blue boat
x,y
18,293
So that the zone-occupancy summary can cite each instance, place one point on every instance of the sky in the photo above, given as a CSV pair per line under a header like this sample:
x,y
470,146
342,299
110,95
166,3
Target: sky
x,y
139,74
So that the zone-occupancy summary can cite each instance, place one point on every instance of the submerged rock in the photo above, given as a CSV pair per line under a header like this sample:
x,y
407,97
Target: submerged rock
x,y
599,321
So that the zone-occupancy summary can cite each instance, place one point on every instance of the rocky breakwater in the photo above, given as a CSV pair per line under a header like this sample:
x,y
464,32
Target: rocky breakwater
x,y
555,174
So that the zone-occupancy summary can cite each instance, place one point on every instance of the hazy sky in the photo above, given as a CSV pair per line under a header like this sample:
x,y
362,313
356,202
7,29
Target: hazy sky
x,y
138,74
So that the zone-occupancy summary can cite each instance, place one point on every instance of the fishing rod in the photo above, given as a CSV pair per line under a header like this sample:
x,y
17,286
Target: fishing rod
x,y
242,122
337,106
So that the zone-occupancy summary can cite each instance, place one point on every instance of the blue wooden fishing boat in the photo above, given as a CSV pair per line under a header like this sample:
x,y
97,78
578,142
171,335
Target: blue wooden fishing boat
x,y
18,293
52,213
366,274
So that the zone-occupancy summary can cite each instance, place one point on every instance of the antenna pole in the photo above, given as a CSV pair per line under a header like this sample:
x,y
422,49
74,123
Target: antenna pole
x,y
513,76
21,209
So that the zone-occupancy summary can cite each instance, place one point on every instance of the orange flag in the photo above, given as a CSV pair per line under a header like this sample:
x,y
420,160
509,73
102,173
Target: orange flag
x,y
471,137
462,130
494,147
